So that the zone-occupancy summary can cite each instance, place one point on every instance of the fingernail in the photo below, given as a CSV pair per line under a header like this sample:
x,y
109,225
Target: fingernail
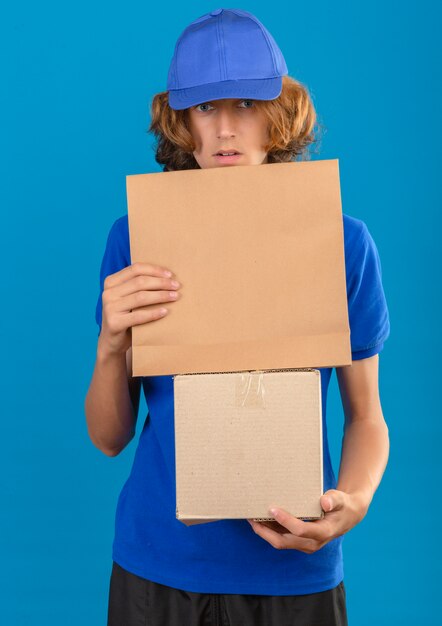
x,y
274,512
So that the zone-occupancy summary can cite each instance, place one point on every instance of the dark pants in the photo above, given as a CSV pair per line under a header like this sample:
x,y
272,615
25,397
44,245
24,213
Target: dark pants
x,y
135,601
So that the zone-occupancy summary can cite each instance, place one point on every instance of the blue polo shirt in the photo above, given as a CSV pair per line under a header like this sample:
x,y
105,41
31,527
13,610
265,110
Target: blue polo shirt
x,y
227,556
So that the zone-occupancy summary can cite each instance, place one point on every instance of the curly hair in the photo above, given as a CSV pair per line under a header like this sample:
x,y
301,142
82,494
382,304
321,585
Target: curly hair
x,y
293,128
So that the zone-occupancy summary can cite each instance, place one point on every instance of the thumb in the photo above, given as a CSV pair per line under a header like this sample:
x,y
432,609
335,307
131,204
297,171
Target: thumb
x,y
327,501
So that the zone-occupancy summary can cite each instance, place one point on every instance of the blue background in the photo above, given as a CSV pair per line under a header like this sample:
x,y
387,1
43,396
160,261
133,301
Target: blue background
x,y
77,82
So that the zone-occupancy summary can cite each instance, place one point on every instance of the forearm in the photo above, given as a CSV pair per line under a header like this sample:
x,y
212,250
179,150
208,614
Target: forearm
x,y
109,412
365,451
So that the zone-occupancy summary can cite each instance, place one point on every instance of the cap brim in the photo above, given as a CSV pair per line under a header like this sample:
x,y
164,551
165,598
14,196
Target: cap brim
x,y
253,88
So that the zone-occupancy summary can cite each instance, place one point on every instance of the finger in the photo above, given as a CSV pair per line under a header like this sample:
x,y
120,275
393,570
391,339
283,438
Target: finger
x,y
319,530
333,500
138,308
139,284
122,321
118,309
283,541
142,299
274,526
141,316
147,283
135,269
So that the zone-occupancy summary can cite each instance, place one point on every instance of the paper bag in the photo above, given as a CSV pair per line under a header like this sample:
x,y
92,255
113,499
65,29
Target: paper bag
x,y
259,252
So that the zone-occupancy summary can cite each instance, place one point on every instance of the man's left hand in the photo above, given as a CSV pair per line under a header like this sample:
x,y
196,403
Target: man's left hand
x,y
342,512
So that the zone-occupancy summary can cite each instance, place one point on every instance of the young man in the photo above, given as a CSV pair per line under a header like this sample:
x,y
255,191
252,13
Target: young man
x,y
228,92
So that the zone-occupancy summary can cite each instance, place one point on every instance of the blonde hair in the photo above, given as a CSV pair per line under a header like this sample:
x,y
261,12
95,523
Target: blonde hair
x,y
292,118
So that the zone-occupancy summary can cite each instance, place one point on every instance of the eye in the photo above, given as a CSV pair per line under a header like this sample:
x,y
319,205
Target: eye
x,y
250,101
203,104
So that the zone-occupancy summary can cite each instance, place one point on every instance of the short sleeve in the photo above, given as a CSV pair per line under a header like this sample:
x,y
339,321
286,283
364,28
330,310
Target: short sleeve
x,y
367,306
116,256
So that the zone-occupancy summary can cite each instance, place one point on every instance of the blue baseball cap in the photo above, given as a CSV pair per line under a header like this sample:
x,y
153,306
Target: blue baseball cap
x,y
226,53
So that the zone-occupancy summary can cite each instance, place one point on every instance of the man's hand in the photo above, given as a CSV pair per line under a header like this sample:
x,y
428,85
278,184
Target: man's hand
x,y
364,457
342,512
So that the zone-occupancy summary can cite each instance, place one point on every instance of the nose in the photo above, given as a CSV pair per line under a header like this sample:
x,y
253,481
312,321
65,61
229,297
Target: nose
x,y
224,124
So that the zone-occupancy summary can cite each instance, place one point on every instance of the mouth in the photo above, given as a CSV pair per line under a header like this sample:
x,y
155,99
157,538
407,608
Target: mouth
x,y
227,156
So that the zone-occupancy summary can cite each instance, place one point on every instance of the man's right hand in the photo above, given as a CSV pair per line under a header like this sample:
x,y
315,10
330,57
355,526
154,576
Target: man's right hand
x,y
137,285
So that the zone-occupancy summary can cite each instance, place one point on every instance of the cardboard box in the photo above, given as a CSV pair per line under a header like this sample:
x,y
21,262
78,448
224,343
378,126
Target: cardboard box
x,y
245,441
259,251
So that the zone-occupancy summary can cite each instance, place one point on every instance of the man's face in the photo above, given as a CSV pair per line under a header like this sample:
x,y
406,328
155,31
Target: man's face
x,y
227,125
